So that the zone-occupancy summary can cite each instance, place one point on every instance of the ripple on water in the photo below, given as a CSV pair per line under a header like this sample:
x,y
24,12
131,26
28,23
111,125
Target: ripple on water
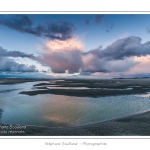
x,y
58,110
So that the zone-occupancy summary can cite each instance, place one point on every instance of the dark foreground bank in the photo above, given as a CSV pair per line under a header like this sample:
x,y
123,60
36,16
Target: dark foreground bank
x,y
135,125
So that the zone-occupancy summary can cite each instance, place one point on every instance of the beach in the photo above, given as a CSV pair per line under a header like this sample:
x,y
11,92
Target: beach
x,y
131,125
135,125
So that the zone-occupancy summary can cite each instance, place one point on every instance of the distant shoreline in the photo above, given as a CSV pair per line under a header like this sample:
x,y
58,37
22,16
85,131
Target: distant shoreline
x,y
97,88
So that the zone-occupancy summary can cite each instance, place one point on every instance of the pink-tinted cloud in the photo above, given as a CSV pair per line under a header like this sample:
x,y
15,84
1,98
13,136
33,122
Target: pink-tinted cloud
x,y
117,57
70,44
142,66
62,56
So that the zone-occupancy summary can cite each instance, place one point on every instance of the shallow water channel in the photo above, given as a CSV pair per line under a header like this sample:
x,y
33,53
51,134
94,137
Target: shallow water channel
x,y
61,111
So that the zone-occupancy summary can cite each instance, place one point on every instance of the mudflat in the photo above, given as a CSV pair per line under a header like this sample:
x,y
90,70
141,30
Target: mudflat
x,y
135,125
91,88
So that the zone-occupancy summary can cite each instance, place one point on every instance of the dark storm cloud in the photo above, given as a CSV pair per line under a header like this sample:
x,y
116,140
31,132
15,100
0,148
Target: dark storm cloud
x,y
59,30
126,47
122,48
107,66
18,22
117,57
7,64
6,53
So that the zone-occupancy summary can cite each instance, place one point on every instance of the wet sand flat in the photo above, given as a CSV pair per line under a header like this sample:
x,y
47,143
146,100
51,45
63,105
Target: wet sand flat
x,y
138,125
135,125
97,88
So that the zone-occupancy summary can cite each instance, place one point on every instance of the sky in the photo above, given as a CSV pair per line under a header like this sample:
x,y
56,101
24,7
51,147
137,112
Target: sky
x,y
75,45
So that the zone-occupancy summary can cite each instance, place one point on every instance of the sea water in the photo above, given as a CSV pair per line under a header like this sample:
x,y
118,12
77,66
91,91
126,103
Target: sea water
x,y
62,111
